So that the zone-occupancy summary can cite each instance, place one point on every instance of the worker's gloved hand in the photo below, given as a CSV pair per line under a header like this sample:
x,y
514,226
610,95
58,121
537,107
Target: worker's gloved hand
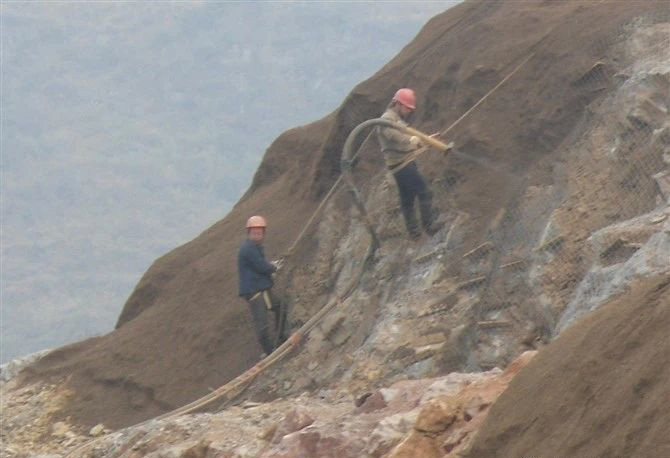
x,y
415,141
450,146
277,263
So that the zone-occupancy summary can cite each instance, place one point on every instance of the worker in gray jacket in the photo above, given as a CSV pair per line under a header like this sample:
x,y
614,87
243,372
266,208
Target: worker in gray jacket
x,y
396,146
255,283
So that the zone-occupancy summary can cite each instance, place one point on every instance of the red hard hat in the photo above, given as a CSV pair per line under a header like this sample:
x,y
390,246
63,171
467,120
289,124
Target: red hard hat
x,y
256,221
406,97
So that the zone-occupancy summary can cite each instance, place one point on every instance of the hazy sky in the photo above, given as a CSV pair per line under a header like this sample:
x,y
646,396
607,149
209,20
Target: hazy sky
x,y
130,127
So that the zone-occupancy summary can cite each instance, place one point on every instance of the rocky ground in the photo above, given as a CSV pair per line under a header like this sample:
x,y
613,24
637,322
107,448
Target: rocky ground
x,y
428,416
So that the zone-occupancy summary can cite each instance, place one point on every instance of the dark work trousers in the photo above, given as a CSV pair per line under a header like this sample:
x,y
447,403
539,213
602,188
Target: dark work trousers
x,y
410,186
258,304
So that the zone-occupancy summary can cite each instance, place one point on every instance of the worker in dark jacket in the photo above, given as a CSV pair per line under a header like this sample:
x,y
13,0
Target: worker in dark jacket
x,y
255,275
396,147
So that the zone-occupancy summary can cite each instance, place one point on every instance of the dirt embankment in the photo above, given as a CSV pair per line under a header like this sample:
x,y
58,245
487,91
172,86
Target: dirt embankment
x,y
183,331
600,390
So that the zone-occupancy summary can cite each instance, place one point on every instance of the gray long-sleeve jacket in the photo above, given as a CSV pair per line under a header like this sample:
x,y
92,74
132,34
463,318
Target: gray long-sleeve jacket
x,y
394,144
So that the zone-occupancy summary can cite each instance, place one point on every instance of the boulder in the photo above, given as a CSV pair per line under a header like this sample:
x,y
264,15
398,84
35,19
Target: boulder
x,y
371,403
60,429
390,431
416,445
295,420
438,415
97,430
447,423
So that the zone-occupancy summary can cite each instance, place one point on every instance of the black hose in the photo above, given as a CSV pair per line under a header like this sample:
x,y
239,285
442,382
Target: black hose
x,y
347,170
347,151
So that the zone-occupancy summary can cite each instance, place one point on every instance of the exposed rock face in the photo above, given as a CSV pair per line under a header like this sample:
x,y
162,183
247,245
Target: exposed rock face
x,y
557,249
623,252
296,420
11,369
28,427
447,424
648,259
325,425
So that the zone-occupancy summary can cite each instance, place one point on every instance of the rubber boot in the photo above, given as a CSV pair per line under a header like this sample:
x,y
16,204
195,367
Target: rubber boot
x,y
265,341
280,323
411,223
428,219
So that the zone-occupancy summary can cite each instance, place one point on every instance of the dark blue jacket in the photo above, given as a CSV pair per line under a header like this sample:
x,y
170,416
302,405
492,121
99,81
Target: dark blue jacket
x,y
254,270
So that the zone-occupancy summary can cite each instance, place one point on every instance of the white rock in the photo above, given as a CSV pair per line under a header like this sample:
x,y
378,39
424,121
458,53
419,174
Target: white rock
x,y
391,430
97,430
59,429
601,283
9,370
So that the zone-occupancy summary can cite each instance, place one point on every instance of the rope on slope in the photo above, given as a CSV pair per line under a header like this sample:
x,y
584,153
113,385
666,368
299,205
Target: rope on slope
x,y
237,386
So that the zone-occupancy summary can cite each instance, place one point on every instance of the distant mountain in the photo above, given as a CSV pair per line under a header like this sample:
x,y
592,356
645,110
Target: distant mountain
x,y
127,128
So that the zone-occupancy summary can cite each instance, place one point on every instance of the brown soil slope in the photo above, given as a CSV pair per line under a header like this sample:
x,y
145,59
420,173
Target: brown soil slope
x,y
600,390
183,329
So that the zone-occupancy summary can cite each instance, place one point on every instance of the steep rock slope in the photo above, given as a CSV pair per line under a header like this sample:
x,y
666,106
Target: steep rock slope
x,y
183,331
